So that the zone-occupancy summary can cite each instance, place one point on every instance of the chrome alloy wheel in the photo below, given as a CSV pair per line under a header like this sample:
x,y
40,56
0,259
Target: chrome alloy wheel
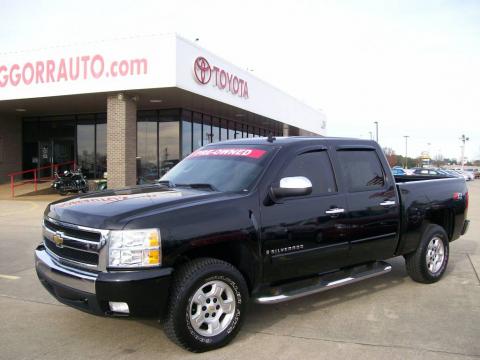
x,y
212,308
435,255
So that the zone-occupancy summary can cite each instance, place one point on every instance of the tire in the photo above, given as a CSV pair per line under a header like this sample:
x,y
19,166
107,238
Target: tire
x,y
63,192
228,306
428,263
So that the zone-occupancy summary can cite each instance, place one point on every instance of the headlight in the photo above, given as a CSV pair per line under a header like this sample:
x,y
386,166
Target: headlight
x,y
134,248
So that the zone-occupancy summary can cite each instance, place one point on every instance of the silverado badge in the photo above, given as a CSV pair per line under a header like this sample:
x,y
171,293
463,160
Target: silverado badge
x,y
58,238
284,249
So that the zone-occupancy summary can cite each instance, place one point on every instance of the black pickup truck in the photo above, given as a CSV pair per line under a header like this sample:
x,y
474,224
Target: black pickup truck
x,y
264,220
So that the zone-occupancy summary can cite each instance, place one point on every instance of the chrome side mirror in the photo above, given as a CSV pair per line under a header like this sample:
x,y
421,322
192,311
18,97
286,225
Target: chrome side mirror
x,y
291,186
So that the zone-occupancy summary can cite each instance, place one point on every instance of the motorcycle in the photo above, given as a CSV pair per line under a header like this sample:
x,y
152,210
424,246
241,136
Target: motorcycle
x,y
70,181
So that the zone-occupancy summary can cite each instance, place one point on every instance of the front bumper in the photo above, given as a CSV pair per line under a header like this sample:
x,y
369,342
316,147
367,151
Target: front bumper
x,y
145,291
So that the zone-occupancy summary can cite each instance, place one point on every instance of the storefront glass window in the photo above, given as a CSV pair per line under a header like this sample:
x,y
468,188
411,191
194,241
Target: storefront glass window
x,y
197,131
246,133
159,134
224,130
101,139
30,145
186,133
207,130
168,133
86,149
231,130
147,165
215,130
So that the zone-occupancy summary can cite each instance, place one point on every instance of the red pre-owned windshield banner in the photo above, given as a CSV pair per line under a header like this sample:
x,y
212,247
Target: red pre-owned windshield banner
x,y
238,152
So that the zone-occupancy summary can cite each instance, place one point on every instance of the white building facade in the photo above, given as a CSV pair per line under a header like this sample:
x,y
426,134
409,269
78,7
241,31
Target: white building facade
x,y
134,107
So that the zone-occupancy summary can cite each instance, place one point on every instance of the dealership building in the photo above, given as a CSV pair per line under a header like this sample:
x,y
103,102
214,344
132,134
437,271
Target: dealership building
x,y
133,107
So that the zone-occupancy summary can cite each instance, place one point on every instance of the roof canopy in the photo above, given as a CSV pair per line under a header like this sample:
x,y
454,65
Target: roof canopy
x,y
138,64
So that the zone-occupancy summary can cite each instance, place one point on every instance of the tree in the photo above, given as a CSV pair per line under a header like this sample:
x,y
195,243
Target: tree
x,y
391,156
448,161
438,160
411,162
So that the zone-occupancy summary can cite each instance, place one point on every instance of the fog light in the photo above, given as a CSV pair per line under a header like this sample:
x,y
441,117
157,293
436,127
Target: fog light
x,y
119,307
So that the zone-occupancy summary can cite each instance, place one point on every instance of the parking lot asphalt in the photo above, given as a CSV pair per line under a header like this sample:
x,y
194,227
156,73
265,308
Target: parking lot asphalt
x,y
388,316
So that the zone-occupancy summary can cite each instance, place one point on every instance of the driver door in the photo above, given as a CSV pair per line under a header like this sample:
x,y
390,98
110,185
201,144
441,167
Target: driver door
x,y
304,235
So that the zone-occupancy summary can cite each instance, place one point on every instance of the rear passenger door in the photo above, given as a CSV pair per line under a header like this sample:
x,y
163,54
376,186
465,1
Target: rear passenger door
x,y
373,206
305,235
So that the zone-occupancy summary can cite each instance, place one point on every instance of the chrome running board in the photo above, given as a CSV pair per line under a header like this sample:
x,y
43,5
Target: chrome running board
x,y
300,288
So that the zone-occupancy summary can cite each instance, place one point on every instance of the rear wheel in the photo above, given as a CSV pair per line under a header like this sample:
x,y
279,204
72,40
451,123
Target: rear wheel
x,y
429,262
207,305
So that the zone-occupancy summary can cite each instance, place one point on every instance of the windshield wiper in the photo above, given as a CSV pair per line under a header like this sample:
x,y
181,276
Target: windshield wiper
x,y
199,186
168,183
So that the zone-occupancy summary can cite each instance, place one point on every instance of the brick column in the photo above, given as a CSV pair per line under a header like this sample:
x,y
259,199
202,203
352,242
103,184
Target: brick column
x,y
289,130
121,141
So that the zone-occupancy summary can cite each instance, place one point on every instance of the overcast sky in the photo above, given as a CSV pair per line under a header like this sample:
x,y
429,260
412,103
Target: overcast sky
x,y
413,66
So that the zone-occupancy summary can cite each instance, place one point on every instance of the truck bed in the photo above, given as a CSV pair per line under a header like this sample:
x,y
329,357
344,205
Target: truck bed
x,y
410,178
433,199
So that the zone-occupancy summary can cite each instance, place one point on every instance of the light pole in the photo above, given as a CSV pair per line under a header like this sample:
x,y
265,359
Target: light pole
x,y
371,135
376,130
463,139
406,150
429,154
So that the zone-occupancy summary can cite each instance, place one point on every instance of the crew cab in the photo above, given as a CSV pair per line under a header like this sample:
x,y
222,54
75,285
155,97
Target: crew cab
x,y
263,220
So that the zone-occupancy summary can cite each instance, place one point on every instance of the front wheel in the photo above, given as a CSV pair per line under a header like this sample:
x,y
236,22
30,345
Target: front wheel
x,y
207,305
429,262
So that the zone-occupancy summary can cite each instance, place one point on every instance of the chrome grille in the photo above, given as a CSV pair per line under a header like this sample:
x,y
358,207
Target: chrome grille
x,y
72,254
73,231
75,245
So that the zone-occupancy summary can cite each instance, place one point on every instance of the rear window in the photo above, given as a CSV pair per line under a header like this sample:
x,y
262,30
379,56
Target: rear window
x,y
231,168
362,170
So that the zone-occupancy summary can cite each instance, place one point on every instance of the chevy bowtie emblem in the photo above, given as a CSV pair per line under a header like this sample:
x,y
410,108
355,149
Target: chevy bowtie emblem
x,y
58,238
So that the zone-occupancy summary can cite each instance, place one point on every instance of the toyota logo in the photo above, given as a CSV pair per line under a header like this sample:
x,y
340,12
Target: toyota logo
x,y
202,70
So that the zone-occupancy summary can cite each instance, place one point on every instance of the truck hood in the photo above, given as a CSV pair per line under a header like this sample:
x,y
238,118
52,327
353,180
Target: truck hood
x,y
113,209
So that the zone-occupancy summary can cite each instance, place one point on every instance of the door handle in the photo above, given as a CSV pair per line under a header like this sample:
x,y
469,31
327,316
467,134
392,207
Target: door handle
x,y
388,203
334,211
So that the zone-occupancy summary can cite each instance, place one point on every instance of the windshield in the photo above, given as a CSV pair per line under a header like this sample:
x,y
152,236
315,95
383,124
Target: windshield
x,y
231,168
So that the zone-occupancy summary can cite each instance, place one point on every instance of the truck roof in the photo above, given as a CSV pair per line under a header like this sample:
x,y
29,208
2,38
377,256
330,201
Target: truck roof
x,y
281,140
